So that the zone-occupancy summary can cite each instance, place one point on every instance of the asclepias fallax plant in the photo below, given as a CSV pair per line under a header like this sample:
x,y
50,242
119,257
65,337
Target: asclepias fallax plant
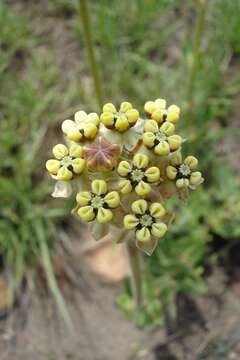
x,y
123,169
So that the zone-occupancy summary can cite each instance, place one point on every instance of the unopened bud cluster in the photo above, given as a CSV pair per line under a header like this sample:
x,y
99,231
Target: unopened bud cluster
x,y
120,166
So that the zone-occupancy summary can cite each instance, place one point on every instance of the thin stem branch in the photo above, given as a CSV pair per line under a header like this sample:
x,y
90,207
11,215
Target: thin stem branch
x,y
196,53
137,281
85,19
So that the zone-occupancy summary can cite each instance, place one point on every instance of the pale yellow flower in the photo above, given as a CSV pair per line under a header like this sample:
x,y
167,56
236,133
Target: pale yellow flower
x,y
120,120
158,110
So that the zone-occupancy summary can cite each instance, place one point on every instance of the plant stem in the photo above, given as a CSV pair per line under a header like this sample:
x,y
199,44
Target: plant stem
x,y
198,34
137,281
85,18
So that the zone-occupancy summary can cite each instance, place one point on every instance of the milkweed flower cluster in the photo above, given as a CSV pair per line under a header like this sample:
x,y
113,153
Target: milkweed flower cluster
x,y
119,165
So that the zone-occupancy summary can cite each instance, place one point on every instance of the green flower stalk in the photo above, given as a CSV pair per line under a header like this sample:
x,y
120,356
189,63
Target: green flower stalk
x,y
123,168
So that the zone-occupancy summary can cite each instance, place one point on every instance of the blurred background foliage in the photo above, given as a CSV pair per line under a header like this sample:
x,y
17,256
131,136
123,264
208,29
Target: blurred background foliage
x,y
187,52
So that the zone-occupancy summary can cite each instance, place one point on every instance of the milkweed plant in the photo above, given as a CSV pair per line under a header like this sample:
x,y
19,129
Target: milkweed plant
x,y
122,170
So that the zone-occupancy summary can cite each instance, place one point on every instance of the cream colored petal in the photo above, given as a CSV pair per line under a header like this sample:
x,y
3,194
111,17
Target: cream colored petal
x,y
125,106
173,113
86,213
109,107
80,117
122,124
60,151
149,107
148,139
107,118
53,166
171,172
74,134
124,168
112,199
142,188
139,206
132,116
93,118
143,234
67,125
104,215
191,161
99,187
130,221
78,165
152,174
125,186
162,148
140,161
175,141
176,159
196,178
83,198
167,128
64,174
182,183
159,229
157,210
151,126
76,151
161,103
157,115
90,131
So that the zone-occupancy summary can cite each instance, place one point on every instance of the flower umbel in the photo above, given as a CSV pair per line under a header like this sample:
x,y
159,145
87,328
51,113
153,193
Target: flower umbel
x,y
84,126
161,139
146,220
137,175
98,203
120,120
157,110
184,172
68,162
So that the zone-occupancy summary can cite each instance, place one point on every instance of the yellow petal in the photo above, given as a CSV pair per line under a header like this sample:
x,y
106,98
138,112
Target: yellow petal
x,y
107,118
99,187
112,199
86,213
157,115
132,116
109,107
125,186
176,159
76,151
143,234
167,128
148,139
142,188
175,141
83,198
122,124
171,172
78,165
104,215
125,106
80,117
139,206
93,118
53,166
64,174
151,126
140,161
173,113
130,221
90,131
157,210
67,125
152,174
149,107
191,161
124,168
196,178
74,134
59,151
161,103
162,148
159,229
181,183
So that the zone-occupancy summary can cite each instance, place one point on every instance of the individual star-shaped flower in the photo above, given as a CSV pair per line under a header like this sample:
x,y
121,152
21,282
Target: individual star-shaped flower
x,y
84,127
157,110
120,120
137,175
68,162
183,172
161,139
98,203
146,222
101,155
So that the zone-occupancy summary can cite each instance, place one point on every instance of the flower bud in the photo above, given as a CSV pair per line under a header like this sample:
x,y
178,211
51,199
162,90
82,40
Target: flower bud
x,y
159,229
167,128
191,161
86,213
143,234
59,151
130,221
152,174
142,188
99,187
173,113
104,216
53,166
139,206
196,178
157,210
